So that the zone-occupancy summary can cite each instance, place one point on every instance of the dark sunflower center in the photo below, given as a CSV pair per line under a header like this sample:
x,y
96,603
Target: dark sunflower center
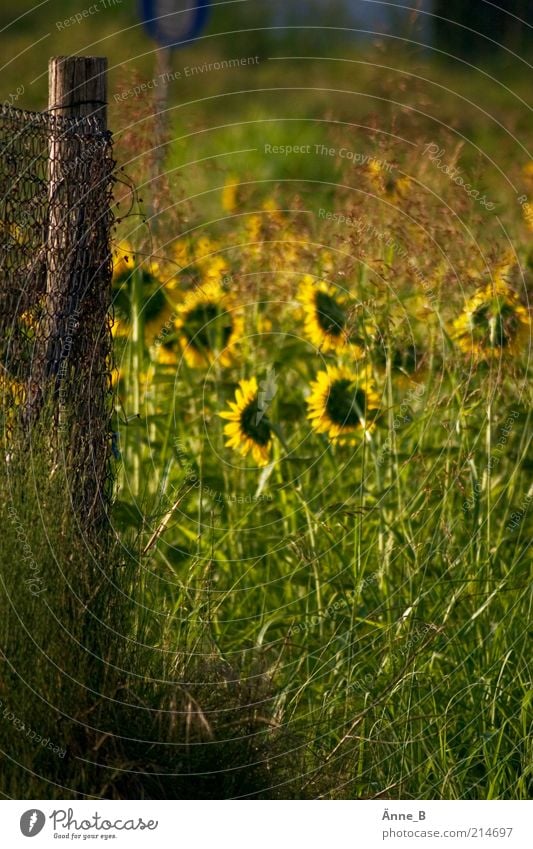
x,y
255,425
207,324
330,316
345,405
481,316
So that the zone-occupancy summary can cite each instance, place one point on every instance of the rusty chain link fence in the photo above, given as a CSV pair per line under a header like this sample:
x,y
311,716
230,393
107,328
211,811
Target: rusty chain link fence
x,y
56,181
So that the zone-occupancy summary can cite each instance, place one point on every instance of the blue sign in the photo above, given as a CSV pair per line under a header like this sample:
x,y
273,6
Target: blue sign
x,y
172,22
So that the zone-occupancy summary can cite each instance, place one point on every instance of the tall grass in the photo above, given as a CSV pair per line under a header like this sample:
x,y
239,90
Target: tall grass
x,y
99,697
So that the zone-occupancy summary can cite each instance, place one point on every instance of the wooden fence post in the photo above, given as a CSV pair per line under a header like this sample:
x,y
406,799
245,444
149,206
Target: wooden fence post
x,y
77,88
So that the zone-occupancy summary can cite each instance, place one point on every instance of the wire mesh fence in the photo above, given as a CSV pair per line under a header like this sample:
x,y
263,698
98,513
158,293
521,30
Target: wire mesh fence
x,y
56,182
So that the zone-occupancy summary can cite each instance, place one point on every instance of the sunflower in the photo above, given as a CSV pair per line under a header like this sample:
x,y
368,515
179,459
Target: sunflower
x,y
208,324
183,253
156,306
342,404
326,317
248,429
216,269
494,323
205,248
199,260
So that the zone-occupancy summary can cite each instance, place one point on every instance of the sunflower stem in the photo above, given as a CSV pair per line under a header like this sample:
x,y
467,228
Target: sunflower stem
x,y
137,358
392,435
489,467
314,558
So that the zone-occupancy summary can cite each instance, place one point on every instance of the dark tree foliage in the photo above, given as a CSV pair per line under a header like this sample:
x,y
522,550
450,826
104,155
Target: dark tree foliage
x,y
479,26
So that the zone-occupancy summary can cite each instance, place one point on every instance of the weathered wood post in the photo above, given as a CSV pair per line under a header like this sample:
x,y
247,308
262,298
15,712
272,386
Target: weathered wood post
x,y
76,90
77,87
72,357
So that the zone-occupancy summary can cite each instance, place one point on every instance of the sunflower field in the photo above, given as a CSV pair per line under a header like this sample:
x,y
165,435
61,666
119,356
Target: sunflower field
x,y
322,449
289,555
